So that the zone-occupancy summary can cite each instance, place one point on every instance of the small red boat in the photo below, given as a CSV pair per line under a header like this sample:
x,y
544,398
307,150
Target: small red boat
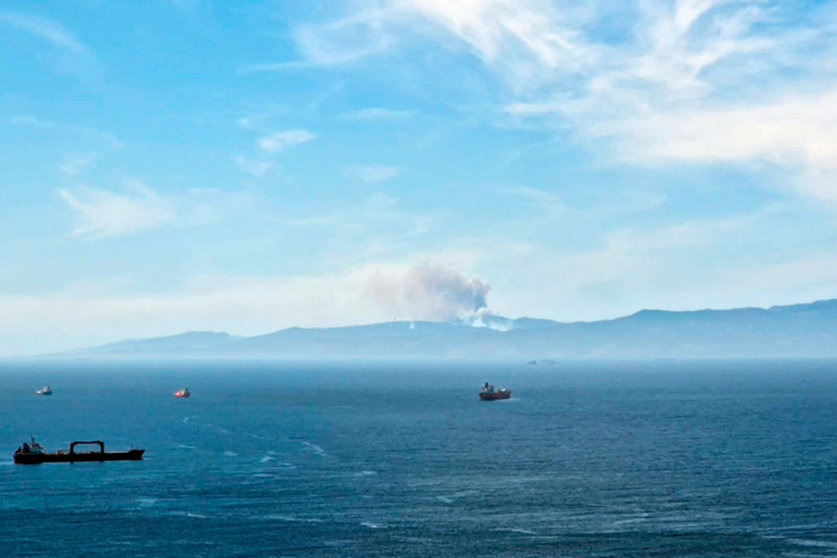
x,y
491,393
182,392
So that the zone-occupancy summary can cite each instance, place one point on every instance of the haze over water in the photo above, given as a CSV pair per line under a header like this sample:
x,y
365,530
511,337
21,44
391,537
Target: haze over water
x,y
277,459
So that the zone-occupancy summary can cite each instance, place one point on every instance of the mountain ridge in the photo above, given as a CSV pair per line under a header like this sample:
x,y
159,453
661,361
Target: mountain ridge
x,y
795,330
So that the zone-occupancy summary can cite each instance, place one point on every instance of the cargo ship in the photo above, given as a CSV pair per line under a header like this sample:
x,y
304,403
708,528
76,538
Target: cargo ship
x,y
182,392
32,453
491,393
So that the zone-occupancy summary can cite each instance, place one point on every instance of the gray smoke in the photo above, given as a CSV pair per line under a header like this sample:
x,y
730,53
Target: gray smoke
x,y
427,292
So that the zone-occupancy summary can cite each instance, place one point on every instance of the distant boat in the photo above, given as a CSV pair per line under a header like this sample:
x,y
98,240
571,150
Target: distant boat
x,y
491,393
182,392
44,391
32,453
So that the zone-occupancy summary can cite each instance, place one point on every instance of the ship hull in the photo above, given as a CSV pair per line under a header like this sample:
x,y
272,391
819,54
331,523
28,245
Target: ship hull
x,y
38,458
494,396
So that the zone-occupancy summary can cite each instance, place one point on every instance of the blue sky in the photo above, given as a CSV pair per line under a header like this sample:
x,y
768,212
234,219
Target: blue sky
x,y
244,167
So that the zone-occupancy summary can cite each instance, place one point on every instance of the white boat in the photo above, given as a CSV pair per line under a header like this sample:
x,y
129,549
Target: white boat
x,y
44,391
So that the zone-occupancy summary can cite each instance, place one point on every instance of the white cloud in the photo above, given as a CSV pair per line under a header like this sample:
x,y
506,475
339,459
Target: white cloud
x,y
280,141
373,173
791,131
378,113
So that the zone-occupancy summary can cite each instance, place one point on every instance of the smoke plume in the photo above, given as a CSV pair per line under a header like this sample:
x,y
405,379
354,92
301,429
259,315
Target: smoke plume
x,y
426,292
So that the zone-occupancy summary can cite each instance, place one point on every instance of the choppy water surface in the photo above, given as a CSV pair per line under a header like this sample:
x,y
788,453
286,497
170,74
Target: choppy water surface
x,y
265,459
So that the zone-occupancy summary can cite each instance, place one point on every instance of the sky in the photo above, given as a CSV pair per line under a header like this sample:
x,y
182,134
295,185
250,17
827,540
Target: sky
x,y
178,165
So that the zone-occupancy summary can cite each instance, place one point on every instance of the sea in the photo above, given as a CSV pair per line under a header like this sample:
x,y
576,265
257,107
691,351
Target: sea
x,y
354,459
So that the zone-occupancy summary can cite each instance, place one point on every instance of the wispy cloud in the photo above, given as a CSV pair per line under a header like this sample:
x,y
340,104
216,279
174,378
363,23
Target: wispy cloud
x,y
695,81
73,57
46,29
345,40
280,141
269,146
373,173
380,224
547,203
74,164
108,214
253,167
378,113
90,144
29,120
137,208
518,37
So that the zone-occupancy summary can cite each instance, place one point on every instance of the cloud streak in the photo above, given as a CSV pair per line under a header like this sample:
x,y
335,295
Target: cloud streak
x,y
378,113
46,29
373,173
687,81
69,55
109,214
136,208
278,142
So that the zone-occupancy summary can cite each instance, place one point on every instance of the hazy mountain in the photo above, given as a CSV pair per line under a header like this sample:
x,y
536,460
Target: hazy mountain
x,y
800,330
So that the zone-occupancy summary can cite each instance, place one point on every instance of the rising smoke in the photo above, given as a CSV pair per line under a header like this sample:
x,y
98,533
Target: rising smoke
x,y
426,292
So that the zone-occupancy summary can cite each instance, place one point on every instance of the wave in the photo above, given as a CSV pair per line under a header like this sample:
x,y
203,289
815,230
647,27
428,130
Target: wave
x,y
515,530
371,525
291,519
189,514
813,543
266,459
315,448
365,473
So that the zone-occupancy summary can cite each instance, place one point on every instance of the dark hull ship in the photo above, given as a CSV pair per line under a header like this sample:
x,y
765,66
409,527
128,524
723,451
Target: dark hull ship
x,y
33,453
491,393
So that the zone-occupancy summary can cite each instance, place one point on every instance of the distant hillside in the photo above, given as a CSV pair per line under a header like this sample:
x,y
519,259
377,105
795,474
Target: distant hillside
x,y
800,330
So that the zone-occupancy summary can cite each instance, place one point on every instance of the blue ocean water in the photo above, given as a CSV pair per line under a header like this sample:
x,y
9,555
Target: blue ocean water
x,y
663,458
